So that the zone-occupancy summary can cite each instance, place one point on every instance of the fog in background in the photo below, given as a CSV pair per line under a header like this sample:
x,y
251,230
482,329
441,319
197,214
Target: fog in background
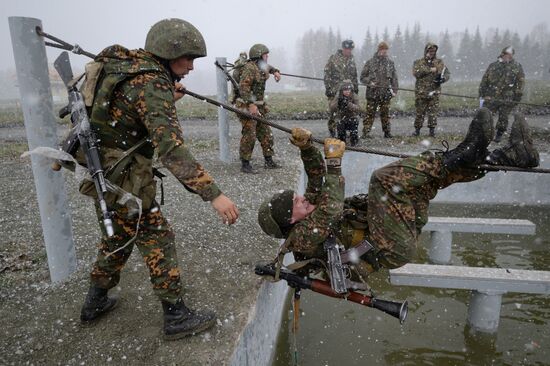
x,y
232,27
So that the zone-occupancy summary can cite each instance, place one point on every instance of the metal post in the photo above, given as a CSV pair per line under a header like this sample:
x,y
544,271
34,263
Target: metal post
x,y
223,125
40,125
440,247
484,310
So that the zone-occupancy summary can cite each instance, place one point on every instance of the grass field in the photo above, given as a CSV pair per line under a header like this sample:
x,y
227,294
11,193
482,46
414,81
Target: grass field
x,y
313,104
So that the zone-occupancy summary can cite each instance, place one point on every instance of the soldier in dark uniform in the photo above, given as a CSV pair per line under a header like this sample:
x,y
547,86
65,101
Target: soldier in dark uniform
x,y
430,72
501,88
380,77
134,105
340,66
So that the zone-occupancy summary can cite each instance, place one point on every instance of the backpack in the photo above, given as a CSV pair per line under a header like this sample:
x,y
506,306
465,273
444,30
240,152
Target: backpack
x,y
237,68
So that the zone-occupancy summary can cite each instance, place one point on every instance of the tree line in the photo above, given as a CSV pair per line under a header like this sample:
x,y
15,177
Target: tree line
x,y
466,53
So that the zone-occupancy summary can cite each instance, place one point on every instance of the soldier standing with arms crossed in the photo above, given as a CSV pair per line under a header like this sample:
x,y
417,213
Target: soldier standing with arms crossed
x,y
380,77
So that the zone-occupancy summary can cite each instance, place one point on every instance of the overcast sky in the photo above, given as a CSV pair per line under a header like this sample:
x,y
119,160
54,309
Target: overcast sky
x,y
232,26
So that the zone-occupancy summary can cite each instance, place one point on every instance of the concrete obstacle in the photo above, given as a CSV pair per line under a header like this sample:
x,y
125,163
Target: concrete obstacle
x,y
442,229
488,285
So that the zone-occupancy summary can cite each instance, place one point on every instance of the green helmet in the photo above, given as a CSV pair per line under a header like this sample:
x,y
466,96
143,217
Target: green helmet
x,y
257,51
275,213
173,38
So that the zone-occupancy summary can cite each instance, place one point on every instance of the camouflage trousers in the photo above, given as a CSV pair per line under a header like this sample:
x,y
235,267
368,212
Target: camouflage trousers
x,y
503,110
429,106
252,130
348,124
398,201
373,105
155,241
331,120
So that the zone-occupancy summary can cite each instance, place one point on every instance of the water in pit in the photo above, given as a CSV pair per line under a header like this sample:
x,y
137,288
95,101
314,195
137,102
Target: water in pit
x,y
335,332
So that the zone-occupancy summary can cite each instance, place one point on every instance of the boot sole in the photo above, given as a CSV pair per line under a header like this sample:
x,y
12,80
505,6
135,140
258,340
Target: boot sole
x,y
180,335
525,137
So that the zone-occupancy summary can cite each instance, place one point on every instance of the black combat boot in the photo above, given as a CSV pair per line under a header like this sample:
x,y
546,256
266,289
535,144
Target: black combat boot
x,y
388,135
498,136
432,132
180,321
270,164
416,132
246,167
97,303
473,149
519,151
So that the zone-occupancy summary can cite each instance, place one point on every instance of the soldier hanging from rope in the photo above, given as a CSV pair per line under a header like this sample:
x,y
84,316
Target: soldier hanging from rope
x,y
384,224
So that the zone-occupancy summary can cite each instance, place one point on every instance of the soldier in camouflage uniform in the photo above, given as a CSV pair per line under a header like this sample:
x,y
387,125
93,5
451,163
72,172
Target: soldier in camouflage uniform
x,y
252,79
393,213
134,105
380,77
345,107
340,66
430,72
501,88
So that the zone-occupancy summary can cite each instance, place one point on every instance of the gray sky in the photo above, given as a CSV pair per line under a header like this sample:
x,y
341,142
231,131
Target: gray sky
x,y
232,26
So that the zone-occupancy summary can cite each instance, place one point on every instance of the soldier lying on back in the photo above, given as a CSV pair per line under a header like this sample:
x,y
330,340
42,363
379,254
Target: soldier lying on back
x,y
393,213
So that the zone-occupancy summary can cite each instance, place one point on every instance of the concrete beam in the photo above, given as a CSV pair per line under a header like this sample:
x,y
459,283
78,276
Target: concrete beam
x,y
480,225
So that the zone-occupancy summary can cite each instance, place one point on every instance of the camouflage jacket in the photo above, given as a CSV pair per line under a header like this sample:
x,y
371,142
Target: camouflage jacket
x,y
253,77
379,71
344,107
503,80
326,191
338,69
134,100
427,84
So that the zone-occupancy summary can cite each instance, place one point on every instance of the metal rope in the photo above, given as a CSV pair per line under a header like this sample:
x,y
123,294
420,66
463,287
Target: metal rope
x,y
412,90
76,49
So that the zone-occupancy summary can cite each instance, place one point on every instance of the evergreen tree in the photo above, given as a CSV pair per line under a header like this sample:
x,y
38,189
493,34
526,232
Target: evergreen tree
x,y
367,48
463,56
478,57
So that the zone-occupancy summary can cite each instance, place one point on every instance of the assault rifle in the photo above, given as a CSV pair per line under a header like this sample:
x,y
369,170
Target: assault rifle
x,y
393,308
83,136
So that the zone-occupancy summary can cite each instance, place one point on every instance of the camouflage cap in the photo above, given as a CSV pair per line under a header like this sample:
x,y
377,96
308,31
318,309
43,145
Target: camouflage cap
x,y
257,51
346,84
429,46
348,43
275,213
383,46
172,38
508,50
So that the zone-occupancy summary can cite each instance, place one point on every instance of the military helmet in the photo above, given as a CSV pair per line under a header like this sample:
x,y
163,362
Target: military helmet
x,y
172,38
348,43
257,51
275,213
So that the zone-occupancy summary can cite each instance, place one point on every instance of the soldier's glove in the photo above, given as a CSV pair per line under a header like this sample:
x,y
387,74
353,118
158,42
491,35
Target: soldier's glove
x,y
301,138
334,150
